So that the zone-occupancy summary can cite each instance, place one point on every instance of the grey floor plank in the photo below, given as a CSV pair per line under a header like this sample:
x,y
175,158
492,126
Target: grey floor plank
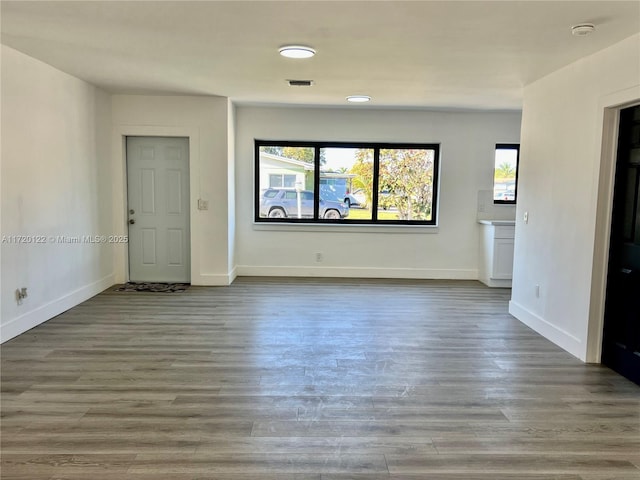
x,y
309,379
509,463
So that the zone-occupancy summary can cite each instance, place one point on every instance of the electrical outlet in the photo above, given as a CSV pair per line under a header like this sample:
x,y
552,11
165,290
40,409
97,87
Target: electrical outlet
x,y
21,294
203,204
319,257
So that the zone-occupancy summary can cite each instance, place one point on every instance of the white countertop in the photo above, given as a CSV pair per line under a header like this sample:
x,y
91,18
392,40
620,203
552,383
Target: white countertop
x,y
498,222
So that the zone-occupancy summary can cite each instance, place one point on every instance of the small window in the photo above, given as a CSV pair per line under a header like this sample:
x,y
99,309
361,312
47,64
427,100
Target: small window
x,y
505,173
282,180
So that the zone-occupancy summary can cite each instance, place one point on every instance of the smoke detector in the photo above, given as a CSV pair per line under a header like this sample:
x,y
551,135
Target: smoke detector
x,y
582,30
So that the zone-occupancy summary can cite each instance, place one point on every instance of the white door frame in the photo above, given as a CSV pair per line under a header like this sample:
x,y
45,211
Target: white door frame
x,y
610,106
120,214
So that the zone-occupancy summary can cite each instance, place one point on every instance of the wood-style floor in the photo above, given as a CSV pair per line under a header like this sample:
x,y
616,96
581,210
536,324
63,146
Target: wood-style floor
x,y
283,379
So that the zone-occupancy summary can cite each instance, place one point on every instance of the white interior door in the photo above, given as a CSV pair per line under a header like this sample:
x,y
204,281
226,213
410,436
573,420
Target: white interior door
x,y
158,209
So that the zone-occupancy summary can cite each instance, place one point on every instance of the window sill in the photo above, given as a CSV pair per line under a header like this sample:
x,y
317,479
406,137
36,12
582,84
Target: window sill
x,y
345,228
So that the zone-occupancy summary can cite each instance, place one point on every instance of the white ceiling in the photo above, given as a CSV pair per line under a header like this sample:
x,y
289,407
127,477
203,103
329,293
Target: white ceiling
x,y
446,54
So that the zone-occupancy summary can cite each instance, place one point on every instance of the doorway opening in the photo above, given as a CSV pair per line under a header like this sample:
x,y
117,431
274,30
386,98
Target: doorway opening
x,y
621,333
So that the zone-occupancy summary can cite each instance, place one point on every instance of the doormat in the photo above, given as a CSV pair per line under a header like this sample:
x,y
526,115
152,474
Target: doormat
x,y
153,287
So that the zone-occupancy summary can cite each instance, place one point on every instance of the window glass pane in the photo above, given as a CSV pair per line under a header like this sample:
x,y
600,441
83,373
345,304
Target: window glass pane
x,y
405,184
346,179
275,180
284,172
289,181
504,175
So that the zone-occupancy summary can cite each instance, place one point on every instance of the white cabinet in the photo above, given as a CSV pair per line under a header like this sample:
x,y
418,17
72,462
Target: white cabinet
x,y
496,252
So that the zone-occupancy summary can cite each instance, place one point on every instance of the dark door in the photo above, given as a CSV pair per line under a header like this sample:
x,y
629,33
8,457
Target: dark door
x,y
621,343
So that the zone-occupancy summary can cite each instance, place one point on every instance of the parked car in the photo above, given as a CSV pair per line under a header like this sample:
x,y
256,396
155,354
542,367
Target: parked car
x,y
355,199
359,199
283,203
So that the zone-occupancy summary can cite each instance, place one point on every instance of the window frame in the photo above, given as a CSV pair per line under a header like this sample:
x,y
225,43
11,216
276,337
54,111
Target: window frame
x,y
506,146
376,147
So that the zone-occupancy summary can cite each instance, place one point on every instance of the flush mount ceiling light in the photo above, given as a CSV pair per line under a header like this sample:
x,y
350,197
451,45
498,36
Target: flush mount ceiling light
x,y
583,29
296,51
358,98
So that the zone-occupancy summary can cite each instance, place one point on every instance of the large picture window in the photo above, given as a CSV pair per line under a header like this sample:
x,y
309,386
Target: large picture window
x,y
346,183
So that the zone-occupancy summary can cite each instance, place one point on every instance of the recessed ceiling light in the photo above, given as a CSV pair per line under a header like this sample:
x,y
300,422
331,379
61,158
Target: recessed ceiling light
x,y
582,29
358,98
297,51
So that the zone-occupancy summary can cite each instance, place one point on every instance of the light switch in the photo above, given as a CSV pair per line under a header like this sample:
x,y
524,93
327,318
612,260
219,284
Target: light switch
x,y
203,204
526,217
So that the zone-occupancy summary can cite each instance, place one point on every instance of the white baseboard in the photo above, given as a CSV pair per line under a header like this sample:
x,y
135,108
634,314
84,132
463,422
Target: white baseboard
x,y
213,279
41,314
233,274
356,272
496,283
551,332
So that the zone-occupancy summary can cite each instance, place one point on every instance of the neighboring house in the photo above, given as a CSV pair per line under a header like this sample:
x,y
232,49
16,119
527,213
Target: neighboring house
x,y
335,186
283,172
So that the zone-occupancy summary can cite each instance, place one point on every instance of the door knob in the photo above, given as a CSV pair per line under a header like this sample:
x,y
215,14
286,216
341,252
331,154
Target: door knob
x,y
132,221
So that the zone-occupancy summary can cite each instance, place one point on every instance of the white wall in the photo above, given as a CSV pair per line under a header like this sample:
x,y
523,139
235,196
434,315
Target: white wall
x,y
231,185
449,251
562,131
205,120
56,181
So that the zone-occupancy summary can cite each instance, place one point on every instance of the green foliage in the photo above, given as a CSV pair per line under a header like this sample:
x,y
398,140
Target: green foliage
x,y
304,154
273,150
406,177
365,214
363,168
505,170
